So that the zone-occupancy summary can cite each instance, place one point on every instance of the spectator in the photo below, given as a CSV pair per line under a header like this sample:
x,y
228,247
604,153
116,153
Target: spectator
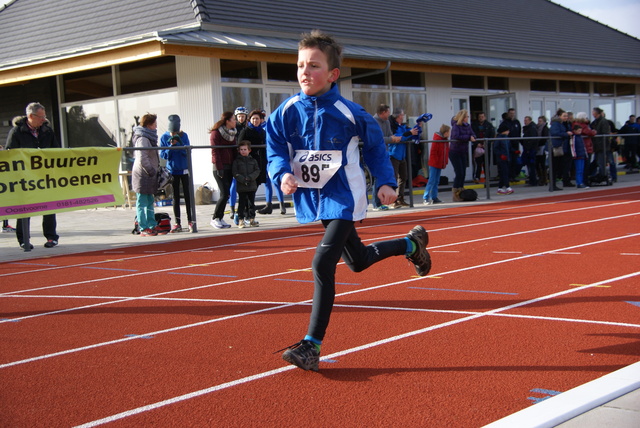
x,y
462,134
335,195
483,129
613,147
530,149
246,171
33,132
582,119
223,133
579,153
502,150
144,175
541,156
438,159
515,132
255,133
178,167
382,117
241,122
398,153
601,143
561,129
631,142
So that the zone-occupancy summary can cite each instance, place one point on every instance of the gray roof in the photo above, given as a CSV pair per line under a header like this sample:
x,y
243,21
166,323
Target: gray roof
x,y
531,35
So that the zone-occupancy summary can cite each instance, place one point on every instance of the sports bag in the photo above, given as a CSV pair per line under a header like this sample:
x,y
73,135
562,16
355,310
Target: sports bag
x,y
468,195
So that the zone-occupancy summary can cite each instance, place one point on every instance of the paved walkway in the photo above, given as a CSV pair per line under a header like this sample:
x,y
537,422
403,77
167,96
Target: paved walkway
x,y
611,401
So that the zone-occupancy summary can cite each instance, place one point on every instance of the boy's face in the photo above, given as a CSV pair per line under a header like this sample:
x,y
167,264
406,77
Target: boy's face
x,y
244,150
314,75
577,131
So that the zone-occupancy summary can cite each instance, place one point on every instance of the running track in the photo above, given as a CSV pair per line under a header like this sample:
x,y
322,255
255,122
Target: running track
x,y
526,300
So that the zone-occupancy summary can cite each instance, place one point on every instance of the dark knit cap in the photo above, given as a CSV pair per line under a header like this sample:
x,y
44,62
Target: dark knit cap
x,y
174,123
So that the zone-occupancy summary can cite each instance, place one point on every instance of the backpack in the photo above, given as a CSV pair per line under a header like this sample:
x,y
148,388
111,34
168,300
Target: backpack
x,y
468,195
163,227
164,223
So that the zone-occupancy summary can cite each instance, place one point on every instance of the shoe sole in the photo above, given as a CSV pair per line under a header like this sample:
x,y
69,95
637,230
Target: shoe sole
x,y
291,358
421,236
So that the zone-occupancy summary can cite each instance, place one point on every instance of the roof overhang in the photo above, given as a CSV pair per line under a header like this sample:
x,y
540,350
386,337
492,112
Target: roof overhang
x,y
202,43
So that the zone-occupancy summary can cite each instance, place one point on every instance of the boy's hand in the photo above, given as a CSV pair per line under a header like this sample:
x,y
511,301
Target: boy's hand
x,y
387,195
289,184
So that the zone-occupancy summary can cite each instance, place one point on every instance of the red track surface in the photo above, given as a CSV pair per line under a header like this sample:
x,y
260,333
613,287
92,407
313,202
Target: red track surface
x,y
525,298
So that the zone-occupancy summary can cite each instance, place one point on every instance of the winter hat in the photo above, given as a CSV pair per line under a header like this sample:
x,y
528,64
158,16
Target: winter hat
x,y
174,123
502,128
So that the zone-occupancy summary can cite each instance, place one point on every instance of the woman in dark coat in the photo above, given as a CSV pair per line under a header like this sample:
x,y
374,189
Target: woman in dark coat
x,y
144,175
223,133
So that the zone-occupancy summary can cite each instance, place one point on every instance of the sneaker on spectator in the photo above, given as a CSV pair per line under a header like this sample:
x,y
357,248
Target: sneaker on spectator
x,y
218,223
235,219
381,208
427,202
241,224
50,243
191,226
23,246
508,191
253,223
502,191
176,228
436,201
8,229
147,232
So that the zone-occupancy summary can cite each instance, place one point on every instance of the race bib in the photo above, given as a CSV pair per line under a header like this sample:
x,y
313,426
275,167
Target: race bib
x,y
314,168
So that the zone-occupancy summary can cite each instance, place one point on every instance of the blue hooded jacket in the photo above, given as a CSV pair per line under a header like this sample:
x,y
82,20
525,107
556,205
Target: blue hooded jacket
x,y
176,159
328,122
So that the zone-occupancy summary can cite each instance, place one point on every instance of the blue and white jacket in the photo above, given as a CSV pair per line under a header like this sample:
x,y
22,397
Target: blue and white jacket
x,y
328,122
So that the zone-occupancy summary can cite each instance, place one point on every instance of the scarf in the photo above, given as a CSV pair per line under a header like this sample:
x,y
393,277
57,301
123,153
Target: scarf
x,y
149,134
228,134
540,127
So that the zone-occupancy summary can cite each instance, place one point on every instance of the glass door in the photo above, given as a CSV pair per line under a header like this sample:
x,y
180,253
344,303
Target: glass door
x,y
495,105
276,96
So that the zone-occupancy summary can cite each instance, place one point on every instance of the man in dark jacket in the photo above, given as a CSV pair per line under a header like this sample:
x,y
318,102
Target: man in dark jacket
x,y
515,132
483,129
601,144
33,132
530,149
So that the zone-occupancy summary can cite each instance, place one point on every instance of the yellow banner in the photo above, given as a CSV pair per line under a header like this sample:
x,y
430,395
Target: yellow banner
x,y
34,182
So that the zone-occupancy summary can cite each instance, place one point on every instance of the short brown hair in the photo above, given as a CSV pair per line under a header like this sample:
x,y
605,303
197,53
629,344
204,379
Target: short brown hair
x,y
148,119
245,143
326,43
444,129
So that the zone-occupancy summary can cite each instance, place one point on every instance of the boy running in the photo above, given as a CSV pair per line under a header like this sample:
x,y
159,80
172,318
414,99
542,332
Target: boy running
x,y
313,153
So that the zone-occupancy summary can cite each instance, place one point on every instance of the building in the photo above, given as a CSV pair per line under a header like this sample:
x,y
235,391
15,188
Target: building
x,y
98,65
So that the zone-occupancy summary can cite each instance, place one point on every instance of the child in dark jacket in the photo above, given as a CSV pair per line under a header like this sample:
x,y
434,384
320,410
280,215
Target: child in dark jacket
x,y
245,170
579,152
502,151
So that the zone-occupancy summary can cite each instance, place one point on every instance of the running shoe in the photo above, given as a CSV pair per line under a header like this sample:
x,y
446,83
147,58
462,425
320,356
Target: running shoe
x,y
50,243
147,232
8,229
304,354
253,223
420,257
23,246
176,228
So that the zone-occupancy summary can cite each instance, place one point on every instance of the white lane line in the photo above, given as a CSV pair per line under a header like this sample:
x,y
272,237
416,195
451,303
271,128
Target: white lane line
x,y
375,287
431,219
269,373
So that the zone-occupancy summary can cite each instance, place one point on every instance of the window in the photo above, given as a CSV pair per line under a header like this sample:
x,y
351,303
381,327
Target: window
x,y
572,86
623,89
378,81
281,72
148,75
407,79
88,85
467,82
92,124
604,89
541,85
233,97
370,100
497,83
240,71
